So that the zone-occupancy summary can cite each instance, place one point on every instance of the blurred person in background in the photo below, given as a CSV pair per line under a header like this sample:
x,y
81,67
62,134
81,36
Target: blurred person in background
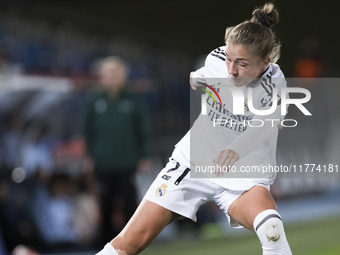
x,y
54,211
117,133
66,213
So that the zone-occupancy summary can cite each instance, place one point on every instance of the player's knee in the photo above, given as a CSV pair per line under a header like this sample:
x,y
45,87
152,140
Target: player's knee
x,y
274,229
269,228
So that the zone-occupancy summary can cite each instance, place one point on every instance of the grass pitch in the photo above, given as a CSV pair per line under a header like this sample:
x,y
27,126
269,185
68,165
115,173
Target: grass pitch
x,y
313,238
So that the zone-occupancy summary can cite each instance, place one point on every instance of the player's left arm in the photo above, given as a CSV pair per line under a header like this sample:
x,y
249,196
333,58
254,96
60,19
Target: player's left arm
x,y
250,139
254,136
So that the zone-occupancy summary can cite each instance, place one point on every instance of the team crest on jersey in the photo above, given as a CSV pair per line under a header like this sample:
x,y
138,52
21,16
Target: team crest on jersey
x,y
160,192
246,108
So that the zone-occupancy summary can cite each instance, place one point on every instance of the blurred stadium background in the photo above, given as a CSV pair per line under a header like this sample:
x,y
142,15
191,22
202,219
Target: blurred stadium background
x,y
48,55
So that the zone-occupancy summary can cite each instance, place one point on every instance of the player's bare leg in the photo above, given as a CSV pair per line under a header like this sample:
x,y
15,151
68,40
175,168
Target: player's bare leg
x,y
256,210
144,226
258,199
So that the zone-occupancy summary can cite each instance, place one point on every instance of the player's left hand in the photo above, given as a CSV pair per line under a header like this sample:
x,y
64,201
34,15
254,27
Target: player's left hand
x,y
225,158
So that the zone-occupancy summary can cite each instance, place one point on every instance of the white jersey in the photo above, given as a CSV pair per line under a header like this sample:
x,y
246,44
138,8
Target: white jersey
x,y
208,137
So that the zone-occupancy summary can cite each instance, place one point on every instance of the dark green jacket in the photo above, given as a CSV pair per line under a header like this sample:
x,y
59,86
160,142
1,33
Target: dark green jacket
x,y
117,131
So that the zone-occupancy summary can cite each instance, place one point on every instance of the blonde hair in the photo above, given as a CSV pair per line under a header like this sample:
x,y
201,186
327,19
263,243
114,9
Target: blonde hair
x,y
256,34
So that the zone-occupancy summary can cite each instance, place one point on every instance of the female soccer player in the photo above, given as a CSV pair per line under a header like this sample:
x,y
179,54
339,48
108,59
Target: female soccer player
x,y
248,60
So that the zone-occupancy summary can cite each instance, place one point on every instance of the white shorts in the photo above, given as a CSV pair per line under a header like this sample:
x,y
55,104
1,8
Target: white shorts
x,y
174,190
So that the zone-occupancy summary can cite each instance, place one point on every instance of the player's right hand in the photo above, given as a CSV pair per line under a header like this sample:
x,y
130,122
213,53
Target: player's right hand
x,y
196,81
226,158
192,82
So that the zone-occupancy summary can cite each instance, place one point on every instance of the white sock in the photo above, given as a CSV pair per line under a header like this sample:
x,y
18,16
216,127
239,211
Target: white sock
x,y
108,250
269,228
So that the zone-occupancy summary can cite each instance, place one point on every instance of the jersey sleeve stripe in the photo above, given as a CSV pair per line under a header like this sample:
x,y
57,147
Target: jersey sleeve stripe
x,y
218,53
267,83
264,87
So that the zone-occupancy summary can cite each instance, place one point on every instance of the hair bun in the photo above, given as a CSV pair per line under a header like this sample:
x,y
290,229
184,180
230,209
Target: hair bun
x,y
266,15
